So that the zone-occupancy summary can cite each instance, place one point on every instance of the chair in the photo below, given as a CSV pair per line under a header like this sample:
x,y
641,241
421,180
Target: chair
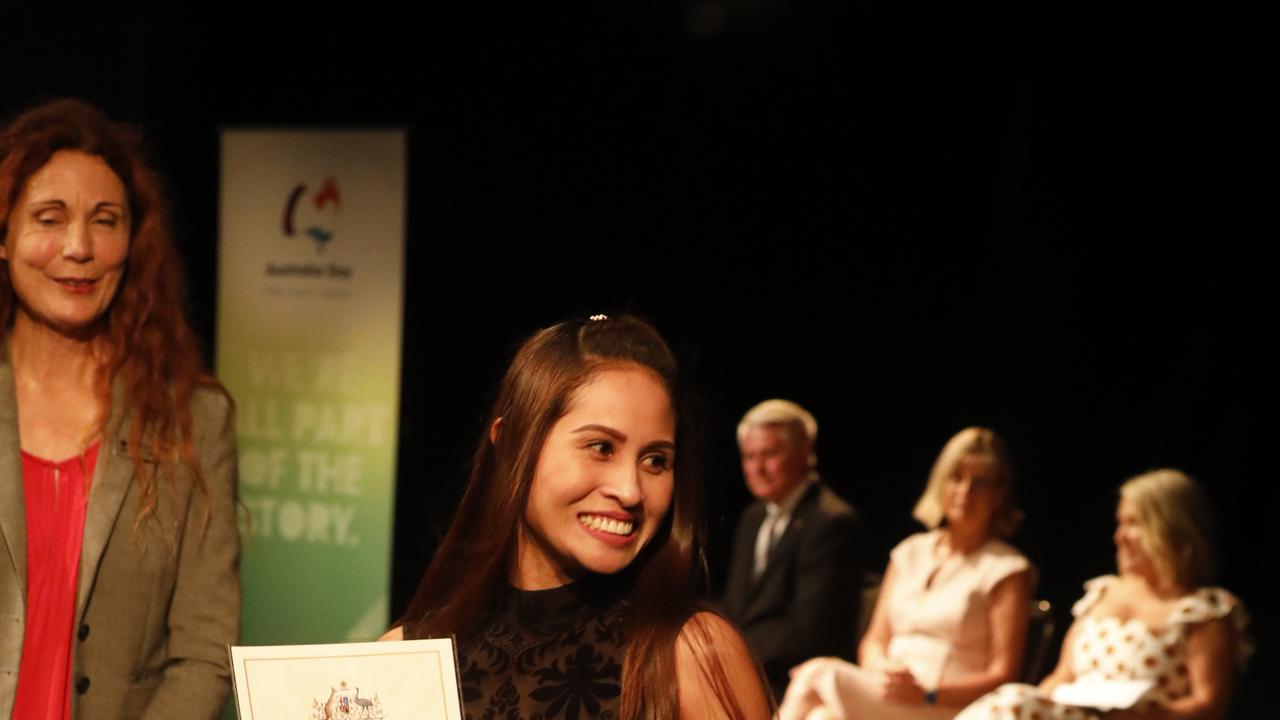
x,y
1040,630
870,593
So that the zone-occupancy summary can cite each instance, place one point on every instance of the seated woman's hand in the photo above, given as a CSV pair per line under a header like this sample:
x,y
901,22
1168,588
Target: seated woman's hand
x,y
1046,687
900,686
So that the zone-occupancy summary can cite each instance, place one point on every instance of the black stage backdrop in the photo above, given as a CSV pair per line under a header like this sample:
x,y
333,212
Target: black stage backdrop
x,y
1047,221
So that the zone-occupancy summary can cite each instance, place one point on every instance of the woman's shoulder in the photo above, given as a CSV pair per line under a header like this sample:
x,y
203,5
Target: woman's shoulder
x,y
211,395
915,545
716,672
1205,604
1094,589
1209,604
212,408
997,547
998,560
998,552
705,626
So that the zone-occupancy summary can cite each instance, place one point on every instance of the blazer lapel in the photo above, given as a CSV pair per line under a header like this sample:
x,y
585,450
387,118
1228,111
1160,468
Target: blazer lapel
x,y
13,507
795,528
111,479
738,595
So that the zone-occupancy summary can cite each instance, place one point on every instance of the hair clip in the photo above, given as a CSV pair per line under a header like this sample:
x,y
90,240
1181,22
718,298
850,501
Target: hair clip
x,y
598,318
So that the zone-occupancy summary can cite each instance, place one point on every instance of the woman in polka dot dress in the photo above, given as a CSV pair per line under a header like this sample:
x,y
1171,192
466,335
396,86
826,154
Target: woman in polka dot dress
x,y
1157,620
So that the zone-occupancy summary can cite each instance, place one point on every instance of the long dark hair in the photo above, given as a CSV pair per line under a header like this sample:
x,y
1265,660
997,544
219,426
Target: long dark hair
x,y
473,561
152,352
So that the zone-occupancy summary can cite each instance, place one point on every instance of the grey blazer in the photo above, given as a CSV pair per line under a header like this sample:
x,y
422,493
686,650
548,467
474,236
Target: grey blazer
x,y
157,604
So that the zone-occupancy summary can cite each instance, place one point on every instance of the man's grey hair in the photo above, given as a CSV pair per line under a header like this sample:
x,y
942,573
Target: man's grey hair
x,y
792,420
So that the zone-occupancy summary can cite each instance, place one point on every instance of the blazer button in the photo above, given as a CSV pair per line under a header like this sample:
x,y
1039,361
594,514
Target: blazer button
x,y
82,685
83,632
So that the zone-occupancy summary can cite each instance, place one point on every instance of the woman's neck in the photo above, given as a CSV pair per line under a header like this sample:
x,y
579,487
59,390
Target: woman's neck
x,y
43,357
1152,581
60,405
531,567
962,539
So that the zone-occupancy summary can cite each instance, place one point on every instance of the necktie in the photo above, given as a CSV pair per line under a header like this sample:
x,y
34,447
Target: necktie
x,y
765,540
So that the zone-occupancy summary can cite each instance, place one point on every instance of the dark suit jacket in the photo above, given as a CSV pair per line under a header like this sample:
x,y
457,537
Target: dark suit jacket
x,y
157,606
805,603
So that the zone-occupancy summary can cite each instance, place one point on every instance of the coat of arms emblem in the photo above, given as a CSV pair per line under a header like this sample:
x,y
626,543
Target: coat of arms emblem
x,y
347,703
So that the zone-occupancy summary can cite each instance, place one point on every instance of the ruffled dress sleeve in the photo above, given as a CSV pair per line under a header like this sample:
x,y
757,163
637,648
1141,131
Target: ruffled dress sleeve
x,y
1215,603
1093,591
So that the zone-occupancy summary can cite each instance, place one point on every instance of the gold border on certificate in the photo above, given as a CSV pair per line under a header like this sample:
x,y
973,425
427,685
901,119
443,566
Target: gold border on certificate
x,y
348,681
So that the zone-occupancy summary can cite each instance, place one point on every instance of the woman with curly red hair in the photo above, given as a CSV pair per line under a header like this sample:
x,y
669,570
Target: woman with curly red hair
x,y
119,587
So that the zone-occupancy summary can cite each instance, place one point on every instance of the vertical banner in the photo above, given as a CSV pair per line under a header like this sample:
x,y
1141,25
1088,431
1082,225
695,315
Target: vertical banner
x,y
311,284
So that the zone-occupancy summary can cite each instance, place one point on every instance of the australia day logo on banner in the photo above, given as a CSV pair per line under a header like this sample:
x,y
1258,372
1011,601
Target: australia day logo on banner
x,y
317,224
311,220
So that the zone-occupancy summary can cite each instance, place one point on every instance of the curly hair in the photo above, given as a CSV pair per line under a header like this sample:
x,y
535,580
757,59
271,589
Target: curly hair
x,y
153,360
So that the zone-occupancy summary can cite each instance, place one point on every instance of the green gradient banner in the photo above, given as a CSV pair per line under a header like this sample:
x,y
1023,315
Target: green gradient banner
x,y
311,284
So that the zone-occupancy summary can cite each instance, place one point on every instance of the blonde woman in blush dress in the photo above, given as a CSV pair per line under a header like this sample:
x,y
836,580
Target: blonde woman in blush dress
x,y
951,617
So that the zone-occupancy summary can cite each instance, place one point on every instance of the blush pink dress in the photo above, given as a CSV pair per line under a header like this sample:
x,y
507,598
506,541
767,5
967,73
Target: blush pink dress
x,y
939,603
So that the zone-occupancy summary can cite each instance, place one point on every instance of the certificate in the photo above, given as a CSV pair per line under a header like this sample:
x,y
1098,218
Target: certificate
x,y
404,680
1102,694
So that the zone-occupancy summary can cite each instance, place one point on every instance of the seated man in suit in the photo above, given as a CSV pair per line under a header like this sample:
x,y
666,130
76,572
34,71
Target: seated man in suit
x,y
795,574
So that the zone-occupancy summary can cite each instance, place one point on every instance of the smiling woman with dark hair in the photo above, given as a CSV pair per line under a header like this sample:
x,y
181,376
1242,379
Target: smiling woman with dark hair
x,y
570,573
119,589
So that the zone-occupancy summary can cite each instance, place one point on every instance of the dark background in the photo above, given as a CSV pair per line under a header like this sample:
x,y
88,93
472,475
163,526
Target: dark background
x,y
1049,221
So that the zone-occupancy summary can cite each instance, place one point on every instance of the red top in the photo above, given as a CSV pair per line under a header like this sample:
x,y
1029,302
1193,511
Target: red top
x,y
56,495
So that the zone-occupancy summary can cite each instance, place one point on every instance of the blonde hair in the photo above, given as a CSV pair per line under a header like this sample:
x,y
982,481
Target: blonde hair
x,y
794,421
1175,525
971,442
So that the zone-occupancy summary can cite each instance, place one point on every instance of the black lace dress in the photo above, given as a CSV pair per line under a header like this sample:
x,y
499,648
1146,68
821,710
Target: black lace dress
x,y
547,654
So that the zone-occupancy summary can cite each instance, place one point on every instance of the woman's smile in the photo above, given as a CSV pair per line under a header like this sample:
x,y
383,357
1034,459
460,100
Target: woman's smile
x,y
80,286
607,525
